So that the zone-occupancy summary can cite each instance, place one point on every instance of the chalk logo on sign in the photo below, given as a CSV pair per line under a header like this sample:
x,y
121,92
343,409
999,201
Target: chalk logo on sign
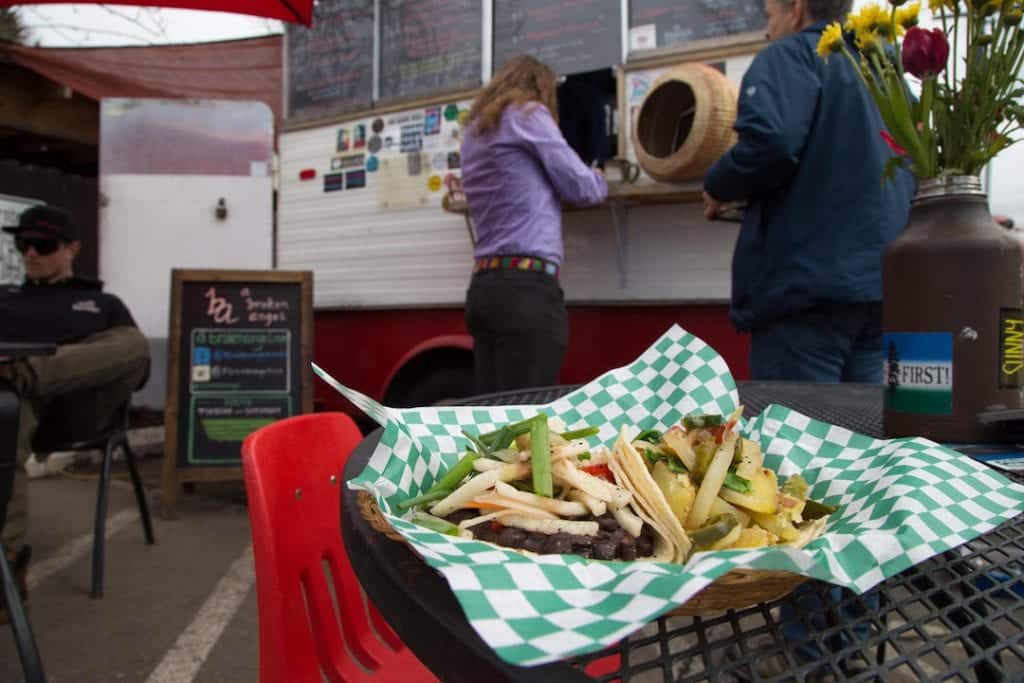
x,y
266,310
219,309
412,139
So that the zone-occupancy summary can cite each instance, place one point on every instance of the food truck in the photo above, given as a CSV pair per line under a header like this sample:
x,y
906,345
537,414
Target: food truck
x,y
377,93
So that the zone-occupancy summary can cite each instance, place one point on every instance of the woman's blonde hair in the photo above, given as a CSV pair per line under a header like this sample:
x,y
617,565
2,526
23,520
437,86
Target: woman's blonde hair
x,y
523,79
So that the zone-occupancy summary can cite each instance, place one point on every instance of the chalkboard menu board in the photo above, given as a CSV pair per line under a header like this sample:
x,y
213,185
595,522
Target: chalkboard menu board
x,y
429,46
239,359
330,67
571,37
668,22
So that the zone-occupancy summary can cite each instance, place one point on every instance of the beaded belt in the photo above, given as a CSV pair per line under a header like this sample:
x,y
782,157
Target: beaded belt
x,y
533,263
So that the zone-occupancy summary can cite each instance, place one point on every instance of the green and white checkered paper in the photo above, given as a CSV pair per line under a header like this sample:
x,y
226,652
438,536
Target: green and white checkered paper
x,y
901,502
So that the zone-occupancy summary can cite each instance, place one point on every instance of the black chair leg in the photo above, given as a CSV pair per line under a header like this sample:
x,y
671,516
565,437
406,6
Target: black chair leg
x,y
100,527
24,639
140,493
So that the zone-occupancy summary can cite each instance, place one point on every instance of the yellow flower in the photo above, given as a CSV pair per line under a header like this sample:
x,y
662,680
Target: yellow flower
x,y
867,41
884,25
870,17
831,40
942,5
906,17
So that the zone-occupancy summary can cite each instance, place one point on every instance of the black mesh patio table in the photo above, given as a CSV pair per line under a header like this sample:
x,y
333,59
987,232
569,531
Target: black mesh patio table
x,y
958,616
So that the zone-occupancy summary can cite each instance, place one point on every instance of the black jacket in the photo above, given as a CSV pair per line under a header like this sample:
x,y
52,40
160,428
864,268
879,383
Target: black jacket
x,y
59,313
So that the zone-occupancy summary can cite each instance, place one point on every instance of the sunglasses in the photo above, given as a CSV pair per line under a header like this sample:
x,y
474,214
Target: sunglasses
x,y
42,245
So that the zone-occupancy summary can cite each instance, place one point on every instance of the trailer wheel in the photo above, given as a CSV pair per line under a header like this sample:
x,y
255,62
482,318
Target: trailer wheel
x,y
438,385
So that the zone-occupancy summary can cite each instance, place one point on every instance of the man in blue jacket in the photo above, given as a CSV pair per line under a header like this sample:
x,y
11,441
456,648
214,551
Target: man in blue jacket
x,y
807,269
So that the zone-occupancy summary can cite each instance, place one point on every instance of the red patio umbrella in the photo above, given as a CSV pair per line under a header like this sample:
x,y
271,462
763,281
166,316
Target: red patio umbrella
x,y
295,11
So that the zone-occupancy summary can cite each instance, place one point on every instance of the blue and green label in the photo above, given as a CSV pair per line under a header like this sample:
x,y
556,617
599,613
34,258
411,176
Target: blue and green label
x,y
919,372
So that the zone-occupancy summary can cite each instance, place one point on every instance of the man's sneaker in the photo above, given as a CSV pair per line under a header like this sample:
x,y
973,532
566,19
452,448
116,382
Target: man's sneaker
x,y
19,567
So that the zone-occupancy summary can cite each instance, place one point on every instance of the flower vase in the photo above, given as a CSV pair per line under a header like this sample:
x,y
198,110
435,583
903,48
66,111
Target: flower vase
x,y
953,330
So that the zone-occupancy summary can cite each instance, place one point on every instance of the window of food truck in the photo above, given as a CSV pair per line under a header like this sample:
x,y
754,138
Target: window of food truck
x,y
429,46
329,68
659,26
379,56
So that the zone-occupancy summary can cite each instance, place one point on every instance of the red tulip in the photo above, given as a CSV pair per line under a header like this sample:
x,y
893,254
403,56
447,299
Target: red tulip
x,y
925,52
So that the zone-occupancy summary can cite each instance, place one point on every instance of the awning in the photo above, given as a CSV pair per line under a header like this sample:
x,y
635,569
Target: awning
x,y
229,70
294,11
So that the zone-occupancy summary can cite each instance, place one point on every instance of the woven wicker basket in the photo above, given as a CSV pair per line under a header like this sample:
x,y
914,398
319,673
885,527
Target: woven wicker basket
x,y
685,122
734,590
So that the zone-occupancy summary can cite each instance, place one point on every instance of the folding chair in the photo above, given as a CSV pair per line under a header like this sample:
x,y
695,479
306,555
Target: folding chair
x,y
24,638
293,478
59,431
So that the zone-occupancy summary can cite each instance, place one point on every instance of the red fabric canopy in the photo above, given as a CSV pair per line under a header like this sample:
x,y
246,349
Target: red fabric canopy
x,y
294,11
248,69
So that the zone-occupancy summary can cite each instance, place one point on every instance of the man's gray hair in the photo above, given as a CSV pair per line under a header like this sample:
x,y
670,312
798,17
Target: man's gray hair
x,y
829,10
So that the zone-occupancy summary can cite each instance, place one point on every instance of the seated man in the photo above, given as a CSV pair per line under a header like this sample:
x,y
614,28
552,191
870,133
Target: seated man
x,y
101,354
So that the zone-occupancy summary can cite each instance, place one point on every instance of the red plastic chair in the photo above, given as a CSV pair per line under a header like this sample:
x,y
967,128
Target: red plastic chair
x,y
293,477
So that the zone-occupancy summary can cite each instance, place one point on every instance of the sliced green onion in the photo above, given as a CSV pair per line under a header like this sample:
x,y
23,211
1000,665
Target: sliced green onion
x,y
428,497
456,474
651,436
702,421
435,523
541,457
580,433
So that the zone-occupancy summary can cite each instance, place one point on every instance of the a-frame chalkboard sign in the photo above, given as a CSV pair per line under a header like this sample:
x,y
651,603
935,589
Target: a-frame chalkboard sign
x,y
240,347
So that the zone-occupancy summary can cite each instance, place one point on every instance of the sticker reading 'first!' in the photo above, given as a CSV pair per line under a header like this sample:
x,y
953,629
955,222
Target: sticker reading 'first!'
x,y
918,372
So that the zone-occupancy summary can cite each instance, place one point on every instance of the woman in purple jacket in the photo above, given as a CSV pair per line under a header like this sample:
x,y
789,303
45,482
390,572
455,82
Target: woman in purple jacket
x,y
517,170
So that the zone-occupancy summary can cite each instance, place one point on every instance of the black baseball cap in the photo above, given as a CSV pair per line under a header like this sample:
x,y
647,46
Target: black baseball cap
x,y
46,220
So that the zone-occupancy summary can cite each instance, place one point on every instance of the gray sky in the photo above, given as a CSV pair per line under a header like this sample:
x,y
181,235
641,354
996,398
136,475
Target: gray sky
x,y
80,25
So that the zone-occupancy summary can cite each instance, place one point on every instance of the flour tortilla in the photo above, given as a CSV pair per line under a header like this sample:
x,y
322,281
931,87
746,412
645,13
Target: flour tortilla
x,y
650,495
665,550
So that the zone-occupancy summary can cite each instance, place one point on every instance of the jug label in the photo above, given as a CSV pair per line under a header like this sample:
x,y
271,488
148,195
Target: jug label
x,y
918,372
1011,348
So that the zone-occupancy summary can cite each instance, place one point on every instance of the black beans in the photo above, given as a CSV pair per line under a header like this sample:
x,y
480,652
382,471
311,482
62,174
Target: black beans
x,y
605,550
611,542
557,544
511,537
535,542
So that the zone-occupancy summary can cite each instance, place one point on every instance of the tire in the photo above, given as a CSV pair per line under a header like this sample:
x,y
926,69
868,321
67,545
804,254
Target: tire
x,y
438,385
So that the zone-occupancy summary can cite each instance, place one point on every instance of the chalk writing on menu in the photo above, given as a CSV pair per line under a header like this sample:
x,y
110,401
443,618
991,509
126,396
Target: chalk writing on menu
x,y
330,67
429,46
572,36
676,23
243,346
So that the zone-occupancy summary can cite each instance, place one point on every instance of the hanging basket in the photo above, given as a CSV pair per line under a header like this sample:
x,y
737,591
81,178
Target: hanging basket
x,y
685,123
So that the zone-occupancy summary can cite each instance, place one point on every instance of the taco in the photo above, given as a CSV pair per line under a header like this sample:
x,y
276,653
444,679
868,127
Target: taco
x,y
706,482
539,489
532,489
